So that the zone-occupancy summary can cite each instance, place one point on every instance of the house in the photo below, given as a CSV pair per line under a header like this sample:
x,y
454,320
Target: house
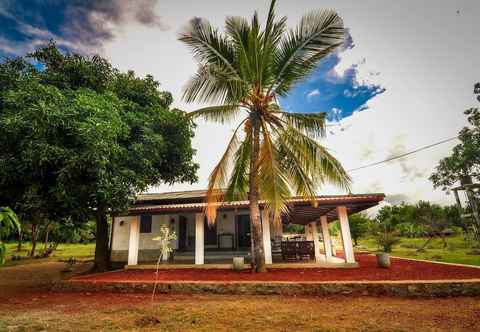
x,y
198,243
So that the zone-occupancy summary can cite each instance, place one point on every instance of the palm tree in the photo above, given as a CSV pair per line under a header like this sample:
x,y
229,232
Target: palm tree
x,y
272,154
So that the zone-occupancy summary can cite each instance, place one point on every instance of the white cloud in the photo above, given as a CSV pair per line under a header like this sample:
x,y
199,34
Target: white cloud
x,y
313,94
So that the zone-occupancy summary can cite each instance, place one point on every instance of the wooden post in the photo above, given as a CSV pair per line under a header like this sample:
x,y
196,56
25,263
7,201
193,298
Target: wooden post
x,y
267,244
327,241
199,239
346,236
133,242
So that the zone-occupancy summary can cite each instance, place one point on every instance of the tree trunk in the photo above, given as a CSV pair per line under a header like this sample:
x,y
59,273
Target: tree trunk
x,y
20,240
425,244
258,255
34,239
101,240
475,209
47,231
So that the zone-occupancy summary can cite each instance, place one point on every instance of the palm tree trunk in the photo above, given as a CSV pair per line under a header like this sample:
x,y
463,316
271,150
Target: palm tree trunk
x,y
258,256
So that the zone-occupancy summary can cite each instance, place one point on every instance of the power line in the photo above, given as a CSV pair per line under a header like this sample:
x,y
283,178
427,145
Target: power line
x,y
403,155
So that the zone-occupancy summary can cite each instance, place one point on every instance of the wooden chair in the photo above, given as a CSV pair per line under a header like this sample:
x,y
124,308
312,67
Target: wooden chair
x,y
289,250
306,250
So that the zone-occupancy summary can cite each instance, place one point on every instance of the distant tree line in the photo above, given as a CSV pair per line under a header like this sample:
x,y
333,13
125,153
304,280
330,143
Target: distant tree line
x,y
424,219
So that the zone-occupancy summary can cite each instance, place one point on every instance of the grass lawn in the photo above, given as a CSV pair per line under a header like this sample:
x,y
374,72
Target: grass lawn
x,y
457,251
64,251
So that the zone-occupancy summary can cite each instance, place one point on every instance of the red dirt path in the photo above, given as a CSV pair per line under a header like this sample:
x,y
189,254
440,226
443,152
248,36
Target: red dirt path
x,y
401,269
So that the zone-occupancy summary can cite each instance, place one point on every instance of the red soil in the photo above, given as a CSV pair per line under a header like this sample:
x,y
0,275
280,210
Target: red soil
x,y
401,269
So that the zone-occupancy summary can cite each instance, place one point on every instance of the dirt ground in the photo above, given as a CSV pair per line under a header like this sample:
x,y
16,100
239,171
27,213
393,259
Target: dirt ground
x,y
27,305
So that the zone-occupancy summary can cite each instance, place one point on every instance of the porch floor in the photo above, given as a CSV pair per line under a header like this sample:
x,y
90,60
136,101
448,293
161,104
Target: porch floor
x,y
222,259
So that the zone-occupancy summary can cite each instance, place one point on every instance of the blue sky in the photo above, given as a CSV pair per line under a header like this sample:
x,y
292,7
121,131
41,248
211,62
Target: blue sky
x,y
70,23
326,91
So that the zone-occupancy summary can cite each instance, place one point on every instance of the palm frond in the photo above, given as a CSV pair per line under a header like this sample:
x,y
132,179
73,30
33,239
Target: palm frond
x,y
273,183
316,36
274,30
238,30
208,45
219,114
316,160
312,124
213,84
219,178
296,168
238,185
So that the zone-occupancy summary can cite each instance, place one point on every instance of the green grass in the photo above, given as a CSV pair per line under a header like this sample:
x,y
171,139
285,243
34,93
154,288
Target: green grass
x,y
64,251
458,250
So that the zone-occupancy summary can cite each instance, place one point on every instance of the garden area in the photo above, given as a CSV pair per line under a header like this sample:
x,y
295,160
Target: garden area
x,y
458,250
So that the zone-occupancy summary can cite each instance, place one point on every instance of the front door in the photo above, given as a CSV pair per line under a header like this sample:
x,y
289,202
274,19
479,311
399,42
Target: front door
x,y
210,234
182,234
243,231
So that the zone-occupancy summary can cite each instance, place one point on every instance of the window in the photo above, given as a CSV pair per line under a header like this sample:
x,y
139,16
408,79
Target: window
x,y
145,224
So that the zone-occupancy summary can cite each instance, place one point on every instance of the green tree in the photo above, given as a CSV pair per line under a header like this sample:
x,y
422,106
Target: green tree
x,y
385,227
243,72
359,226
82,139
463,165
8,224
434,220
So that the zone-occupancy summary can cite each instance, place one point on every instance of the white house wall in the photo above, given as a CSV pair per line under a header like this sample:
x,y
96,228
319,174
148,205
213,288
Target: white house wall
x,y
121,233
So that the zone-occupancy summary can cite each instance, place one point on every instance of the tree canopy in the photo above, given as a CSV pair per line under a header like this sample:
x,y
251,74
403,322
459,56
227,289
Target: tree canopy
x,y
464,161
80,138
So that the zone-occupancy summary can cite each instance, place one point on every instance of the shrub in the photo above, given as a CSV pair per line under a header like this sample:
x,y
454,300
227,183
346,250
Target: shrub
x,y
386,240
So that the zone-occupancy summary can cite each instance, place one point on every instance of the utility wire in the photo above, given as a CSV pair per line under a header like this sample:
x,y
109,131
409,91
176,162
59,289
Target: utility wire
x,y
403,155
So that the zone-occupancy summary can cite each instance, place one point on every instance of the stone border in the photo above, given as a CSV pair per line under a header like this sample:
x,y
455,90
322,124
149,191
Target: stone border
x,y
424,288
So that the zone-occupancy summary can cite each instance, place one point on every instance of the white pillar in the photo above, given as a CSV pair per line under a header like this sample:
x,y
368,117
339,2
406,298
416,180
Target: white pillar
x,y
327,241
346,236
308,233
199,239
316,241
134,240
267,244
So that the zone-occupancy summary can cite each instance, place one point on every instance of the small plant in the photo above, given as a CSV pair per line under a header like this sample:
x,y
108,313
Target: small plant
x,y
385,228
165,238
386,240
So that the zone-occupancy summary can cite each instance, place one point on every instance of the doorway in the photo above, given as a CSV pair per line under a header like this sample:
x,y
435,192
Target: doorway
x,y
243,231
